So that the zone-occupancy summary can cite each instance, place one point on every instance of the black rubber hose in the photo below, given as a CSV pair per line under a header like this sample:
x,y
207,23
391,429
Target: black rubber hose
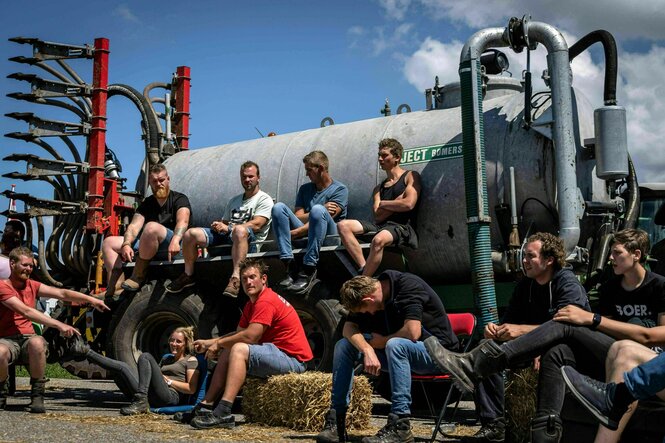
x,y
611,60
152,140
43,270
82,103
633,203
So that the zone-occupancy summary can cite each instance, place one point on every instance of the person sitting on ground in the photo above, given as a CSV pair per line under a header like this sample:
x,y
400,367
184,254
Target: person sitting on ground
x,y
160,222
395,208
12,237
390,316
269,340
167,383
18,341
319,205
246,220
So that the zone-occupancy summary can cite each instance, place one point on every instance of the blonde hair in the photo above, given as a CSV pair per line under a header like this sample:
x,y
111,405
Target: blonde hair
x,y
188,333
353,291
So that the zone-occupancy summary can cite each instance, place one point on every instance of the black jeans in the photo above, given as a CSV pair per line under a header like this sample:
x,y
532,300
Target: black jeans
x,y
148,380
559,344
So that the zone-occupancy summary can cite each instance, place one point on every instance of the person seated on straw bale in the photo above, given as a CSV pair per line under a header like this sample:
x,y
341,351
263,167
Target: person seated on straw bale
x,y
269,340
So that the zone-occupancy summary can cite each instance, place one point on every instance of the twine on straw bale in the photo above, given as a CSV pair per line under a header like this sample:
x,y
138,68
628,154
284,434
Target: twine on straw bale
x,y
520,404
300,401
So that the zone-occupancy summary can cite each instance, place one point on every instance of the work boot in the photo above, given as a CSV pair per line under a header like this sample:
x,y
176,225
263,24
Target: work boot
x,y
134,283
37,396
4,392
187,416
291,271
397,430
469,367
233,288
334,428
304,280
493,431
599,398
139,405
114,283
180,283
207,419
546,429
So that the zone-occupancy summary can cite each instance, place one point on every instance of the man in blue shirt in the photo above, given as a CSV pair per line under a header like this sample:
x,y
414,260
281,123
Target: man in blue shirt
x,y
319,205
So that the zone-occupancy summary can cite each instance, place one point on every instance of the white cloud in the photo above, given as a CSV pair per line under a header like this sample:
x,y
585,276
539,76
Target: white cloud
x,y
431,59
381,38
628,18
395,9
126,14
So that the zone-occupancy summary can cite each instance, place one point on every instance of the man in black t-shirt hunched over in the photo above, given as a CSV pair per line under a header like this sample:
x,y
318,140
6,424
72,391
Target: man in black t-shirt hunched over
x,y
155,231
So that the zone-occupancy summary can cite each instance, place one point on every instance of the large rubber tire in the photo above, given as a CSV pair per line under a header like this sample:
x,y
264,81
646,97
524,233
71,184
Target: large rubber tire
x,y
320,318
147,322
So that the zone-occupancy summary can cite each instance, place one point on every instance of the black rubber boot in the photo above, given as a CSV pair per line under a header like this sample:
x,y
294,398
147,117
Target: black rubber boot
x,y
334,428
139,406
37,396
546,429
4,392
291,271
467,368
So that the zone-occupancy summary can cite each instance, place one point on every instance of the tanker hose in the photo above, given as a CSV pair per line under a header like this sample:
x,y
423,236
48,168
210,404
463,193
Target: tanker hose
x,y
603,251
611,61
633,203
149,120
43,271
475,185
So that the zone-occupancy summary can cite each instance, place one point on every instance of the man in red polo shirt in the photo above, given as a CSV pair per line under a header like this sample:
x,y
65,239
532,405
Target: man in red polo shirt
x,y
270,340
18,341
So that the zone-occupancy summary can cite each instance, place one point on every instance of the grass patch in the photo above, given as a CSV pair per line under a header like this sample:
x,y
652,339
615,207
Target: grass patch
x,y
53,370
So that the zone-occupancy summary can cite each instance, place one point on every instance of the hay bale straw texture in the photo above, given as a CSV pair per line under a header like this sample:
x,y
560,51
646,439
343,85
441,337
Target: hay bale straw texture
x,y
300,401
521,396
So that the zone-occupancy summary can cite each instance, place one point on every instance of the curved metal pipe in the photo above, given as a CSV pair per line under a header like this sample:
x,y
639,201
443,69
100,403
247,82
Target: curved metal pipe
x,y
481,40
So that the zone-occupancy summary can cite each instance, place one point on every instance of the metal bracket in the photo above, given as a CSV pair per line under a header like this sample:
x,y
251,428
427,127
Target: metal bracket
x,y
42,50
45,167
40,127
50,88
43,207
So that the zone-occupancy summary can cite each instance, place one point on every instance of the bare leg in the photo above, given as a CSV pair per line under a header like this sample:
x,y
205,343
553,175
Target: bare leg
x,y
37,356
153,234
623,356
111,251
192,239
239,248
237,371
348,229
218,381
380,241
4,362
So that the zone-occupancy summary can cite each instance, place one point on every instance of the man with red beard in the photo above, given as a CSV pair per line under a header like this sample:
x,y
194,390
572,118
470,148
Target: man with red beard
x,y
155,231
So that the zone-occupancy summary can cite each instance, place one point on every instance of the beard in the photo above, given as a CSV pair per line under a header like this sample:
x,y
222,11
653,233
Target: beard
x,y
161,192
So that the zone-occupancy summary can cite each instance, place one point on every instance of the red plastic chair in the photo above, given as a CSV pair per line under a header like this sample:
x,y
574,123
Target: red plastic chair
x,y
463,325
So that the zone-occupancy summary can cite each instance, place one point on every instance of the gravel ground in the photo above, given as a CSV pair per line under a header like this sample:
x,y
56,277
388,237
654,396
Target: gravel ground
x,y
87,410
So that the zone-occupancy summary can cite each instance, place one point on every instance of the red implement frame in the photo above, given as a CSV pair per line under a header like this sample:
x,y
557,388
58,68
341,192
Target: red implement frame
x,y
181,116
97,140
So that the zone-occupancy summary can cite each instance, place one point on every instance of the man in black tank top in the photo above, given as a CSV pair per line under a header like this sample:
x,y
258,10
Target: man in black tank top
x,y
394,208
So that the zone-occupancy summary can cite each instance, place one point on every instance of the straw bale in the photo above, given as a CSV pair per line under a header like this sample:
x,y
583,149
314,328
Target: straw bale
x,y
520,397
300,401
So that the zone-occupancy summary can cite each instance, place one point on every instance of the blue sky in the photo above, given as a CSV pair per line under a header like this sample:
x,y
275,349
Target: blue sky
x,y
283,66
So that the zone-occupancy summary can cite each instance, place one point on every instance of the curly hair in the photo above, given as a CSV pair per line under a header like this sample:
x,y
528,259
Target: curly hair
x,y
353,291
258,264
188,333
634,240
396,148
551,246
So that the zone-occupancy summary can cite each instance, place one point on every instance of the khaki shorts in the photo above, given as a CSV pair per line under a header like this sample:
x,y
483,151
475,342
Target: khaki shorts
x,y
18,347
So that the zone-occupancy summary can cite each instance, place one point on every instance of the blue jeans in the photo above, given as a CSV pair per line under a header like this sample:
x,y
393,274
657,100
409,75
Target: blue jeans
x,y
267,359
320,225
400,358
646,379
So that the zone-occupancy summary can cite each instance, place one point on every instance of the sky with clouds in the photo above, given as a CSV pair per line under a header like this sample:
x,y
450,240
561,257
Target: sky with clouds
x,y
261,66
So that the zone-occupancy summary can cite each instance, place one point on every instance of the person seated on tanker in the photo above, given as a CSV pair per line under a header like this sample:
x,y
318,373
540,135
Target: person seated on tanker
x,y
12,237
159,222
269,340
166,383
319,205
18,341
246,220
395,208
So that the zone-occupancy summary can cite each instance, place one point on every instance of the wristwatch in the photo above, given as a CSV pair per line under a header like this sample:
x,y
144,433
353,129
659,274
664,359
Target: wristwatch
x,y
596,321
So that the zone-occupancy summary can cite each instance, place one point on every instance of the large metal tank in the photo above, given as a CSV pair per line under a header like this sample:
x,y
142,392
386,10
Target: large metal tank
x,y
432,142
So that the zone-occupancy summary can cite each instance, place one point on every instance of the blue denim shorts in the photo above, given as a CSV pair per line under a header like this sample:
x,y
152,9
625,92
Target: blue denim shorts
x,y
267,359
162,250
215,238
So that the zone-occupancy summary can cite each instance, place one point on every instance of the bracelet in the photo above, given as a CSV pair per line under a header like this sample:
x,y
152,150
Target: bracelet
x,y
169,382
596,321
